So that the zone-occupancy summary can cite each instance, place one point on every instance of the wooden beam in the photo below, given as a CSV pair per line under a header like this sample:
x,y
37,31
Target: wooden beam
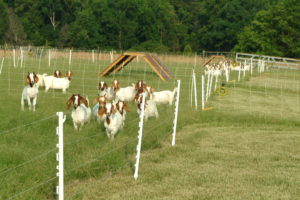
x,y
154,69
123,63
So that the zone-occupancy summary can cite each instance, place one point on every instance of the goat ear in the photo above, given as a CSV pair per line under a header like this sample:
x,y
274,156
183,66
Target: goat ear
x,y
27,80
101,111
69,102
36,78
84,101
151,89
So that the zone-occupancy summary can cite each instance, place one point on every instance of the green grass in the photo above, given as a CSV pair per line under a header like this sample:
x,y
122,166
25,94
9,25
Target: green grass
x,y
238,150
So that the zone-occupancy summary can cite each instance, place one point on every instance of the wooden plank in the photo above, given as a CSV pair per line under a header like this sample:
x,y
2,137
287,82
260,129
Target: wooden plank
x,y
109,68
166,70
155,67
134,54
122,64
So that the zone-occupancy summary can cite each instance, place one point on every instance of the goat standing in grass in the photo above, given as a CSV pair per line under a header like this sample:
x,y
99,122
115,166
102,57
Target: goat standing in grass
x,y
58,83
30,91
81,113
113,119
150,107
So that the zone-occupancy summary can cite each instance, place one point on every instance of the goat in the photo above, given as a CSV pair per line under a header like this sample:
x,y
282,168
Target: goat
x,y
106,91
58,83
162,97
30,91
122,108
123,94
41,82
150,107
81,113
57,74
99,102
113,120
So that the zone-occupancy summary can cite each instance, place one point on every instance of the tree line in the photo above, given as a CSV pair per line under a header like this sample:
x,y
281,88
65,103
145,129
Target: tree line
x,y
258,26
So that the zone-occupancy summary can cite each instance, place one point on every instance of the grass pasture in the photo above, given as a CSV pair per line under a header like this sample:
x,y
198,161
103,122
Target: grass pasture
x,y
247,147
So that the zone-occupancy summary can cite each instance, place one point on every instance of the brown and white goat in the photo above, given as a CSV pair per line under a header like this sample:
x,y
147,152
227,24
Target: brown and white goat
x,y
81,113
30,91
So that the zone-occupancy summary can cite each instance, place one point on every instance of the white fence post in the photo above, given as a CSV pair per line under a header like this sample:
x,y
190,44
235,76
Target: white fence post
x,y
1,65
111,56
139,146
70,58
239,77
14,54
49,58
21,57
176,113
93,56
203,91
251,65
60,155
207,85
216,83
195,89
191,94
210,84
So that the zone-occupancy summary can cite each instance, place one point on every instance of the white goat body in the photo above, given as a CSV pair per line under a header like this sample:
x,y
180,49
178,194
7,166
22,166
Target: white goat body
x,y
113,122
150,110
56,83
80,116
41,82
126,94
29,93
108,93
163,97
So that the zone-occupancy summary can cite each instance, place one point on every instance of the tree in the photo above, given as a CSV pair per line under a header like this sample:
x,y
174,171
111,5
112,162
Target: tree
x,y
3,20
274,31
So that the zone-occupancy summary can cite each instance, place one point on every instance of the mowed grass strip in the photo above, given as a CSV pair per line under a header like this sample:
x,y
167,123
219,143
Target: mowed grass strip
x,y
230,152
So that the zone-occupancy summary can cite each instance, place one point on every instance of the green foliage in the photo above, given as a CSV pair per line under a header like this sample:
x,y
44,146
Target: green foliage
x,y
170,24
151,46
274,31
3,20
187,50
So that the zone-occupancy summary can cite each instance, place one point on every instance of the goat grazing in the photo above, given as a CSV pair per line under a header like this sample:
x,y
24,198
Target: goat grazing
x,y
81,113
58,83
30,91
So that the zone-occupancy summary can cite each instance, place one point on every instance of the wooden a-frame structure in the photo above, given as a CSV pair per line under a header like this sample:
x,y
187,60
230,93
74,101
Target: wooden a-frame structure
x,y
213,58
125,58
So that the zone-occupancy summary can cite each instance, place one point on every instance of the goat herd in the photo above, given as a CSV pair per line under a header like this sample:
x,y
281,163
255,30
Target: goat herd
x,y
110,106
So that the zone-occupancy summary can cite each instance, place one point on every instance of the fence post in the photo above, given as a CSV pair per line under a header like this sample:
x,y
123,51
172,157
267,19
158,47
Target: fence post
x,y
93,56
49,58
207,85
239,77
1,65
60,155
139,146
251,65
203,91
14,54
195,89
176,113
70,58
21,57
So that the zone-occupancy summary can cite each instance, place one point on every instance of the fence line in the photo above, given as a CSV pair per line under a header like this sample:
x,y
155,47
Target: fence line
x,y
31,188
26,162
6,131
